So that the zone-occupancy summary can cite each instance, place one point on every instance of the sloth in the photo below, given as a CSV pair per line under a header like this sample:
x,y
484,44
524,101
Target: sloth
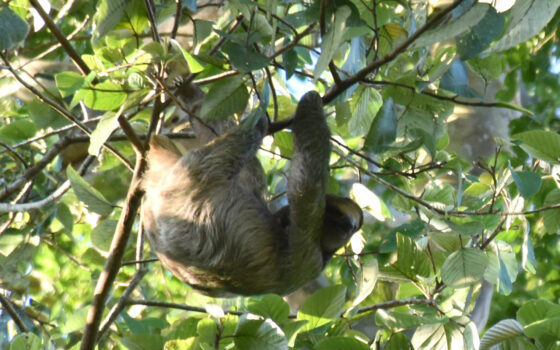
x,y
207,221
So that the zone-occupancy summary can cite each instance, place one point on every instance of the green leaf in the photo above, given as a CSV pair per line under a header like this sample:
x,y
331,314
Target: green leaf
x,y
341,343
207,330
76,320
528,182
109,13
69,82
411,261
44,116
367,279
398,341
365,104
142,341
456,79
323,307
245,58
440,194
18,130
285,142
537,310
105,96
203,29
528,261
102,234
194,65
552,217
224,99
332,40
64,215
526,19
541,144
453,28
271,306
439,336
467,228
502,266
137,16
545,328
479,37
25,341
87,194
383,130
13,28
399,320
505,334
259,334
464,267
103,130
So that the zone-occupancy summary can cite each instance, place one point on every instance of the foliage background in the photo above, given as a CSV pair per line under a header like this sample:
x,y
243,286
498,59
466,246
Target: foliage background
x,y
82,83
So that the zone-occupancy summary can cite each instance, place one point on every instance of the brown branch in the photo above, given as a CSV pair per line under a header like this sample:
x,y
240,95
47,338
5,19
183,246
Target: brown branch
x,y
122,303
455,98
116,253
177,306
494,234
396,303
61,37
11,310
150,9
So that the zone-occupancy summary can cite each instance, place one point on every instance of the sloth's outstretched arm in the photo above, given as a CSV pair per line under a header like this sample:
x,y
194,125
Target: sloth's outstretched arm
x,y
307,183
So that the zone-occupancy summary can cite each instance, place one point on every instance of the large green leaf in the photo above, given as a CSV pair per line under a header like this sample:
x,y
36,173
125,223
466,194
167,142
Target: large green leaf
x,y
528,182
18,130
332,40
526,20
552,217
438,337
365,105
411,262
537,310
383,130
323,306
271,306
541,144
453,28
102,234
109,13
13,28
464,267
506,334
105,96
69,82
502,266
479,37
25,341
259,334
341,343
225,98
87,194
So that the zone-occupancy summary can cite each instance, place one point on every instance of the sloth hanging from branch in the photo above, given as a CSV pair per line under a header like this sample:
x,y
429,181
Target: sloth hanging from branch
x,y
207,221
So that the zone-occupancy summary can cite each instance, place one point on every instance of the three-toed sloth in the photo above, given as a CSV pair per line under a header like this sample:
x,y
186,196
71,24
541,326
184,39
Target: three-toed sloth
x,y
208,223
